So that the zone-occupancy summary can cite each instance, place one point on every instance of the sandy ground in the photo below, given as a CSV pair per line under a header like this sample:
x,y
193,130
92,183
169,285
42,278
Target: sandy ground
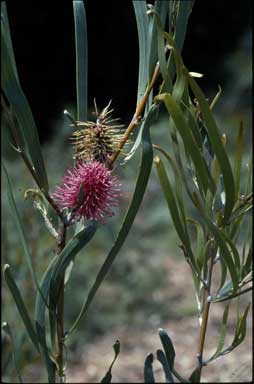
x,y
95,358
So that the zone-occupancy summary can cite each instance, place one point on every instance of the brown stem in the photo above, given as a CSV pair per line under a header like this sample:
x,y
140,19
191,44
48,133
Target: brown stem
x,y
205,311
60,310
136,115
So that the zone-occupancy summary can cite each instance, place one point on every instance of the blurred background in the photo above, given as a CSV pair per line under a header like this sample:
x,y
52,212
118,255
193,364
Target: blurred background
x,y
149,285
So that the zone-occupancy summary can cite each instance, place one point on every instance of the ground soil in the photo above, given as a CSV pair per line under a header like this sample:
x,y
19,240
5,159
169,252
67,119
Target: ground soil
x,y
95,358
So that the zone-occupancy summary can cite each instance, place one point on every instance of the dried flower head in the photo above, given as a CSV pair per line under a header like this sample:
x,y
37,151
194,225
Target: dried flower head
x,y
97,140
88,190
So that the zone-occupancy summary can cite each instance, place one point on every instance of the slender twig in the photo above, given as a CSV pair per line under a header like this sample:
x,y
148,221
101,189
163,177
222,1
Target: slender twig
x,y
136,115
27,161
206,308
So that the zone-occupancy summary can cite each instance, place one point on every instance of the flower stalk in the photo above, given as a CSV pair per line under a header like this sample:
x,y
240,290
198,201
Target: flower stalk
x,y
136,115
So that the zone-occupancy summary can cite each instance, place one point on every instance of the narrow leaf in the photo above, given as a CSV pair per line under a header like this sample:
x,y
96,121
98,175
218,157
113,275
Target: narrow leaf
x,y
168,348
142,25
7,36
68,254
223,331
26,127
238,159
7,329
183,15
20,305
188,140
108,377
148,369
162,359
81,59
172,205
217,145
195,376
224,251
20,230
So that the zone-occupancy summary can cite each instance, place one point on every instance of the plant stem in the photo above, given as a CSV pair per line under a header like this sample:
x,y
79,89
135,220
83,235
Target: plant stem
x,y
205,311
60,310
136,115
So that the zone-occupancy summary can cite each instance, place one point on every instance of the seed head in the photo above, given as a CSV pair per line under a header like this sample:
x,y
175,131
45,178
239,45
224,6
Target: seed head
x,y
97,140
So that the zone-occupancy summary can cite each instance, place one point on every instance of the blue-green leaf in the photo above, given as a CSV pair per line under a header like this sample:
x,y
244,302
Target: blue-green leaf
x,y
148,369
162,359
7,36
222,335
189,142
68,254
20,305
182,18
217,146
168,348
173,208
7,329
108,377
142,25
25,127
238,159
161,8
81,59
20,230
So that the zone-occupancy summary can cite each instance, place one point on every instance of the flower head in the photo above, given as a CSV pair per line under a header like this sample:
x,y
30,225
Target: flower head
x,y
88,190
97,140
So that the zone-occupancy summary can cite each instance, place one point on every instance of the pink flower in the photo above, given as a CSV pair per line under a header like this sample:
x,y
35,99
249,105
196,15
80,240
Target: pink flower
x,y
89,190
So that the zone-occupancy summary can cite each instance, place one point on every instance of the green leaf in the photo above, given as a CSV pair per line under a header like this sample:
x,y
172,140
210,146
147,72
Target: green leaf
x,y
25,127
162,359
81,59
161,8
195,376
67,255
7,329
183,14
240,332
141,183
108,377
161,54
148,369
200,244
168,348
238,159
172,205
179,13
188,140
224,251
50,283
142,25
223,331
20,230
7,36
217,146
20,305
178,184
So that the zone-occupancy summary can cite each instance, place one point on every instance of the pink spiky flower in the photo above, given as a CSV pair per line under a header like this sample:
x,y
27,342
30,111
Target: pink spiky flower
x,y
89,190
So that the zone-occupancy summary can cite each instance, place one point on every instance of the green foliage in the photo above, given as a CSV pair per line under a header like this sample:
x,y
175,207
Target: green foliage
x,y
202,189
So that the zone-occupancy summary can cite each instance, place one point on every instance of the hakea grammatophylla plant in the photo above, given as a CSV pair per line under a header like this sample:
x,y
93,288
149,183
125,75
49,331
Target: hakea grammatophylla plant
x,y
89,190
97,140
